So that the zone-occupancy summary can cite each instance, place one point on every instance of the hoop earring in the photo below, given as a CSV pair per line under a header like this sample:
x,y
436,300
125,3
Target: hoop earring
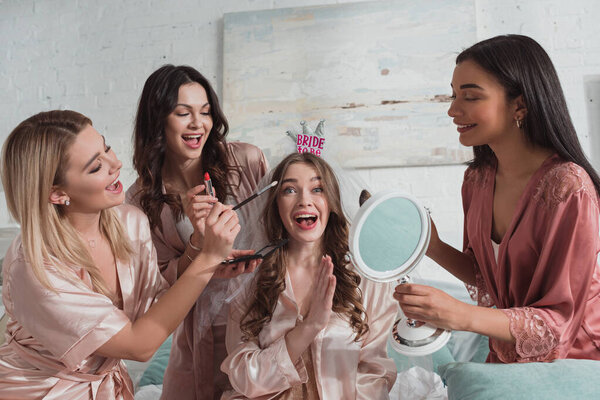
x,y
67,202
519,123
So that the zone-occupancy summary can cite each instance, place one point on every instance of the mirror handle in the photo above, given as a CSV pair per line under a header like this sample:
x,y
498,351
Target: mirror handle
x,y
406,279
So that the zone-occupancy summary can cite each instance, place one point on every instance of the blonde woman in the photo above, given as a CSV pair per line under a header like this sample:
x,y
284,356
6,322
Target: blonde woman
x,y
81,284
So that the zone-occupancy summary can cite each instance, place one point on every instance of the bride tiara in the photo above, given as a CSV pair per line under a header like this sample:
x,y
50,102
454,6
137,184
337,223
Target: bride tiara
x,y
309,141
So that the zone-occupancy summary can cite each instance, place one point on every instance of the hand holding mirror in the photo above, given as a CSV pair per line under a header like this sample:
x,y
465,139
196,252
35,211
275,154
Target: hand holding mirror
x,y
389,236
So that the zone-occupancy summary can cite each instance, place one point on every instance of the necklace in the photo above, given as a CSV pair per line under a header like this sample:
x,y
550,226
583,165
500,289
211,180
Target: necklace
x,y
91,242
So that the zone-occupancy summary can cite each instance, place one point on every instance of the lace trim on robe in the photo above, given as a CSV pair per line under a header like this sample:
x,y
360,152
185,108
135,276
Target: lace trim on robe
x,y
475,176
561,181
478,292
535,339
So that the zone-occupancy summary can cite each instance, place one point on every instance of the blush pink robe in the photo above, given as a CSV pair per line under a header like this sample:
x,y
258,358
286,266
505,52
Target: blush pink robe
x,y
51,337
197,351
343,368
547,279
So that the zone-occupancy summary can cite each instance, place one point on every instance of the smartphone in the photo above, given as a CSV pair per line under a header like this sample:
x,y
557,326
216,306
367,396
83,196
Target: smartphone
x,y
242,258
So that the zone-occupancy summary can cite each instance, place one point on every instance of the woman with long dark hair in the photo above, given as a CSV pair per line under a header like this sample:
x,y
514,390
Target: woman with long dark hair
x,y
179,139
82,288
530,200
308,326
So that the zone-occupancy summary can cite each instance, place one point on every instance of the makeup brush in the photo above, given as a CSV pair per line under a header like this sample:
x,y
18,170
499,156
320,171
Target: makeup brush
x,y
255,195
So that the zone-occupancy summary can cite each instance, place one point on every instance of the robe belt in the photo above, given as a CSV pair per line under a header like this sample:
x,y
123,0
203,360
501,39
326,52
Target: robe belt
x,y
104,384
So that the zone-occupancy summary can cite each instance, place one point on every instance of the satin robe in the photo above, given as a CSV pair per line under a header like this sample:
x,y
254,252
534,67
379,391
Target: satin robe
x,y
197,351
344,369
51,336
547,278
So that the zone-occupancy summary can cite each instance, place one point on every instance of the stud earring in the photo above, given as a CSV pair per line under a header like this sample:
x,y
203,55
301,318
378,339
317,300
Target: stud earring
x,y
519,123
67,202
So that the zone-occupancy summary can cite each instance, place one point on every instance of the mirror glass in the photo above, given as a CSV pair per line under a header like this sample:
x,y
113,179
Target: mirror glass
x,y
389,236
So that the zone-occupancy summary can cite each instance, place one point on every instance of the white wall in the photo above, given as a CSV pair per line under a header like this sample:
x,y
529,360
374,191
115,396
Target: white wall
x,y
95,56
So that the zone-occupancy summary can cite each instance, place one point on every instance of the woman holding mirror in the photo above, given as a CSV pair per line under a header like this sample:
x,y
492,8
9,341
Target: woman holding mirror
x,y
179,141
82,288
530,200
308,326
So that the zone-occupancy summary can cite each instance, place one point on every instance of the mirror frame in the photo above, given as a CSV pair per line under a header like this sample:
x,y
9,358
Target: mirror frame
x,y
359,220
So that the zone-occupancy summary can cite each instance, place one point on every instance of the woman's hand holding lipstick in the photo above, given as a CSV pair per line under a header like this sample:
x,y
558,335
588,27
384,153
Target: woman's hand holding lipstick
x,y
197,206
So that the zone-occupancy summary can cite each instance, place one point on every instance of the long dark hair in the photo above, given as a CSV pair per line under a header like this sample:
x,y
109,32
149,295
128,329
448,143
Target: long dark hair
x,y
270,277
524,68
158,100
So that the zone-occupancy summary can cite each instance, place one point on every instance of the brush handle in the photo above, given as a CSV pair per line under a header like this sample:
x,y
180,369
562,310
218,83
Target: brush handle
x,y
255,195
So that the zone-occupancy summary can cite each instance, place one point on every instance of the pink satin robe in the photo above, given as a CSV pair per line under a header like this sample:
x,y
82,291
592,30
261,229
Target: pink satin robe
x,y
344,369
547,279
193,369
51,337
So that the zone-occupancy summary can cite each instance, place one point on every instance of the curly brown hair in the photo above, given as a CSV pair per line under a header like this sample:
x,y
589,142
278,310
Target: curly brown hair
x,y
270,277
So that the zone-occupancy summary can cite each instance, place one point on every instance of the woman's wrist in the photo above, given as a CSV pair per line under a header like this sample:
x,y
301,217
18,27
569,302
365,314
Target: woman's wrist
x,y
489,322
466,316
193,242
204,264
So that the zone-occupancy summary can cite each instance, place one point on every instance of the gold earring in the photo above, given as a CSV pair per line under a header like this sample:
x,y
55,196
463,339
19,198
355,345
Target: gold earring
x,y
519,123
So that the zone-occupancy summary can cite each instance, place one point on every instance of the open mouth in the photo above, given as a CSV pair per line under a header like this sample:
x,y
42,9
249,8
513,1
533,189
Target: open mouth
x,y
306,221
192,140
115,187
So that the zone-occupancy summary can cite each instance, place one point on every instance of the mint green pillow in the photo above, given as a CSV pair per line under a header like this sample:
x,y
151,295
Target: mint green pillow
x,y
153,375
561,379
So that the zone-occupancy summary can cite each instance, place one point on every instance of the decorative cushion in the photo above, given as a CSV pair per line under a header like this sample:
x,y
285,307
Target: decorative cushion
x,y
561,379
153,375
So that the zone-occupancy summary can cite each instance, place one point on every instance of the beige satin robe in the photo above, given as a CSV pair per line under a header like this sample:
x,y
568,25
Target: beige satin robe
x,y
51,337
344,369
197,351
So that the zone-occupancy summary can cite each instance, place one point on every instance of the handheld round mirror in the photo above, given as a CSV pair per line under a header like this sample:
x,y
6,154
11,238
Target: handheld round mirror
x,y
389,236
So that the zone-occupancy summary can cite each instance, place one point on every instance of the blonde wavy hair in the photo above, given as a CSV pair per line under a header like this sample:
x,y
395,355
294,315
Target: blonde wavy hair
x,y
270,277
34,159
